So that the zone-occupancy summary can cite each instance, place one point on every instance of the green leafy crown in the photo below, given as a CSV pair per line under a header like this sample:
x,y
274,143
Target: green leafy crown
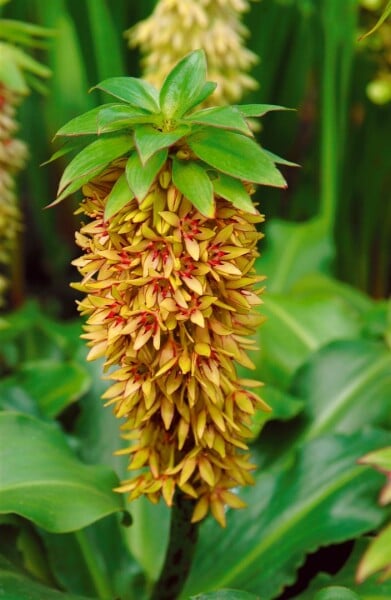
x,y
212,150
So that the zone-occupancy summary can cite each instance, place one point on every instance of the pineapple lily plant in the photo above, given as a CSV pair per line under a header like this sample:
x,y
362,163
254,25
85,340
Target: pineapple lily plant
x,y
170,292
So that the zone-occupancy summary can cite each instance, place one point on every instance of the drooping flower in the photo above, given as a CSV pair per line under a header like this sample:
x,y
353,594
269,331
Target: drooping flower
x,y
177,27
168,278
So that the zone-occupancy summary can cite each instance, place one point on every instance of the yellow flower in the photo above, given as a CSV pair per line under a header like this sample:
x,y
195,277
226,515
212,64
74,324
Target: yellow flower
x,y
177,27
170,299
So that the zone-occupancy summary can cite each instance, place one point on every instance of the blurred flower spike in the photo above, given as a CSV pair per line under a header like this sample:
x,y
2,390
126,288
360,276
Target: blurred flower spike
x,y
179,26
18,72
171,295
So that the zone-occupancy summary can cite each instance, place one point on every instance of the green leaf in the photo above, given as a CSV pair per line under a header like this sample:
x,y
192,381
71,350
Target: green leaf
x,y
140,177
184,82
84,124
17,586
294,250
324,498
234,191
377,557
44,482
236,155
380,459
284,407
120,116
207,89
137,92
147,538
225,595
258,110
344,385
224,117
297,326
119,196
336,593
90,162
150,140
370,589
49,385
192,180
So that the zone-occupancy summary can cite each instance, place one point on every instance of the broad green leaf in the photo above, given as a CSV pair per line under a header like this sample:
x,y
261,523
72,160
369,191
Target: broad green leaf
x,y
105,539
106,45
236,155
258,110
63,493
324,498
377,557
224,117
119,196
49,385
234,191
137,92
225,595
192,180
150,140
71,144
91,161
120,116
140,177
279,160
84,124
345,384
293,251
17,586
147,538
183,83
336,593
284,407
297,326
370,589
207,89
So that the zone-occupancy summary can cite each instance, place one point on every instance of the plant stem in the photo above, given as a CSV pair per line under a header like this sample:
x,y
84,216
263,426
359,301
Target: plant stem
x,y
181,546
94,566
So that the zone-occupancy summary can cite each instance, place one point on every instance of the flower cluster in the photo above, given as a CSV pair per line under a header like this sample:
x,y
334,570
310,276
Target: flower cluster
x,y
12,159
179,26
170,303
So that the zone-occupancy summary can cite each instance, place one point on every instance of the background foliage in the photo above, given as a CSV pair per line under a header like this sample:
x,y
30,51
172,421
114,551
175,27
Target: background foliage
x,y
324,348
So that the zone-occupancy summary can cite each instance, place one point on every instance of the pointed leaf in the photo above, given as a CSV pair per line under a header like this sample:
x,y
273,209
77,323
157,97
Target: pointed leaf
x,y
37,464
91,161
84,124
233,190
236,155
120,116
325,497
149,140
182,84
224,117
258,110
119,196
207,89
139,176
137,92
192,180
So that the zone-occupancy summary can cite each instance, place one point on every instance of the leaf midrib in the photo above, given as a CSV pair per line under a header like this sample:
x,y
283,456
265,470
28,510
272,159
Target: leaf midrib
x,y
303,335
281,530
